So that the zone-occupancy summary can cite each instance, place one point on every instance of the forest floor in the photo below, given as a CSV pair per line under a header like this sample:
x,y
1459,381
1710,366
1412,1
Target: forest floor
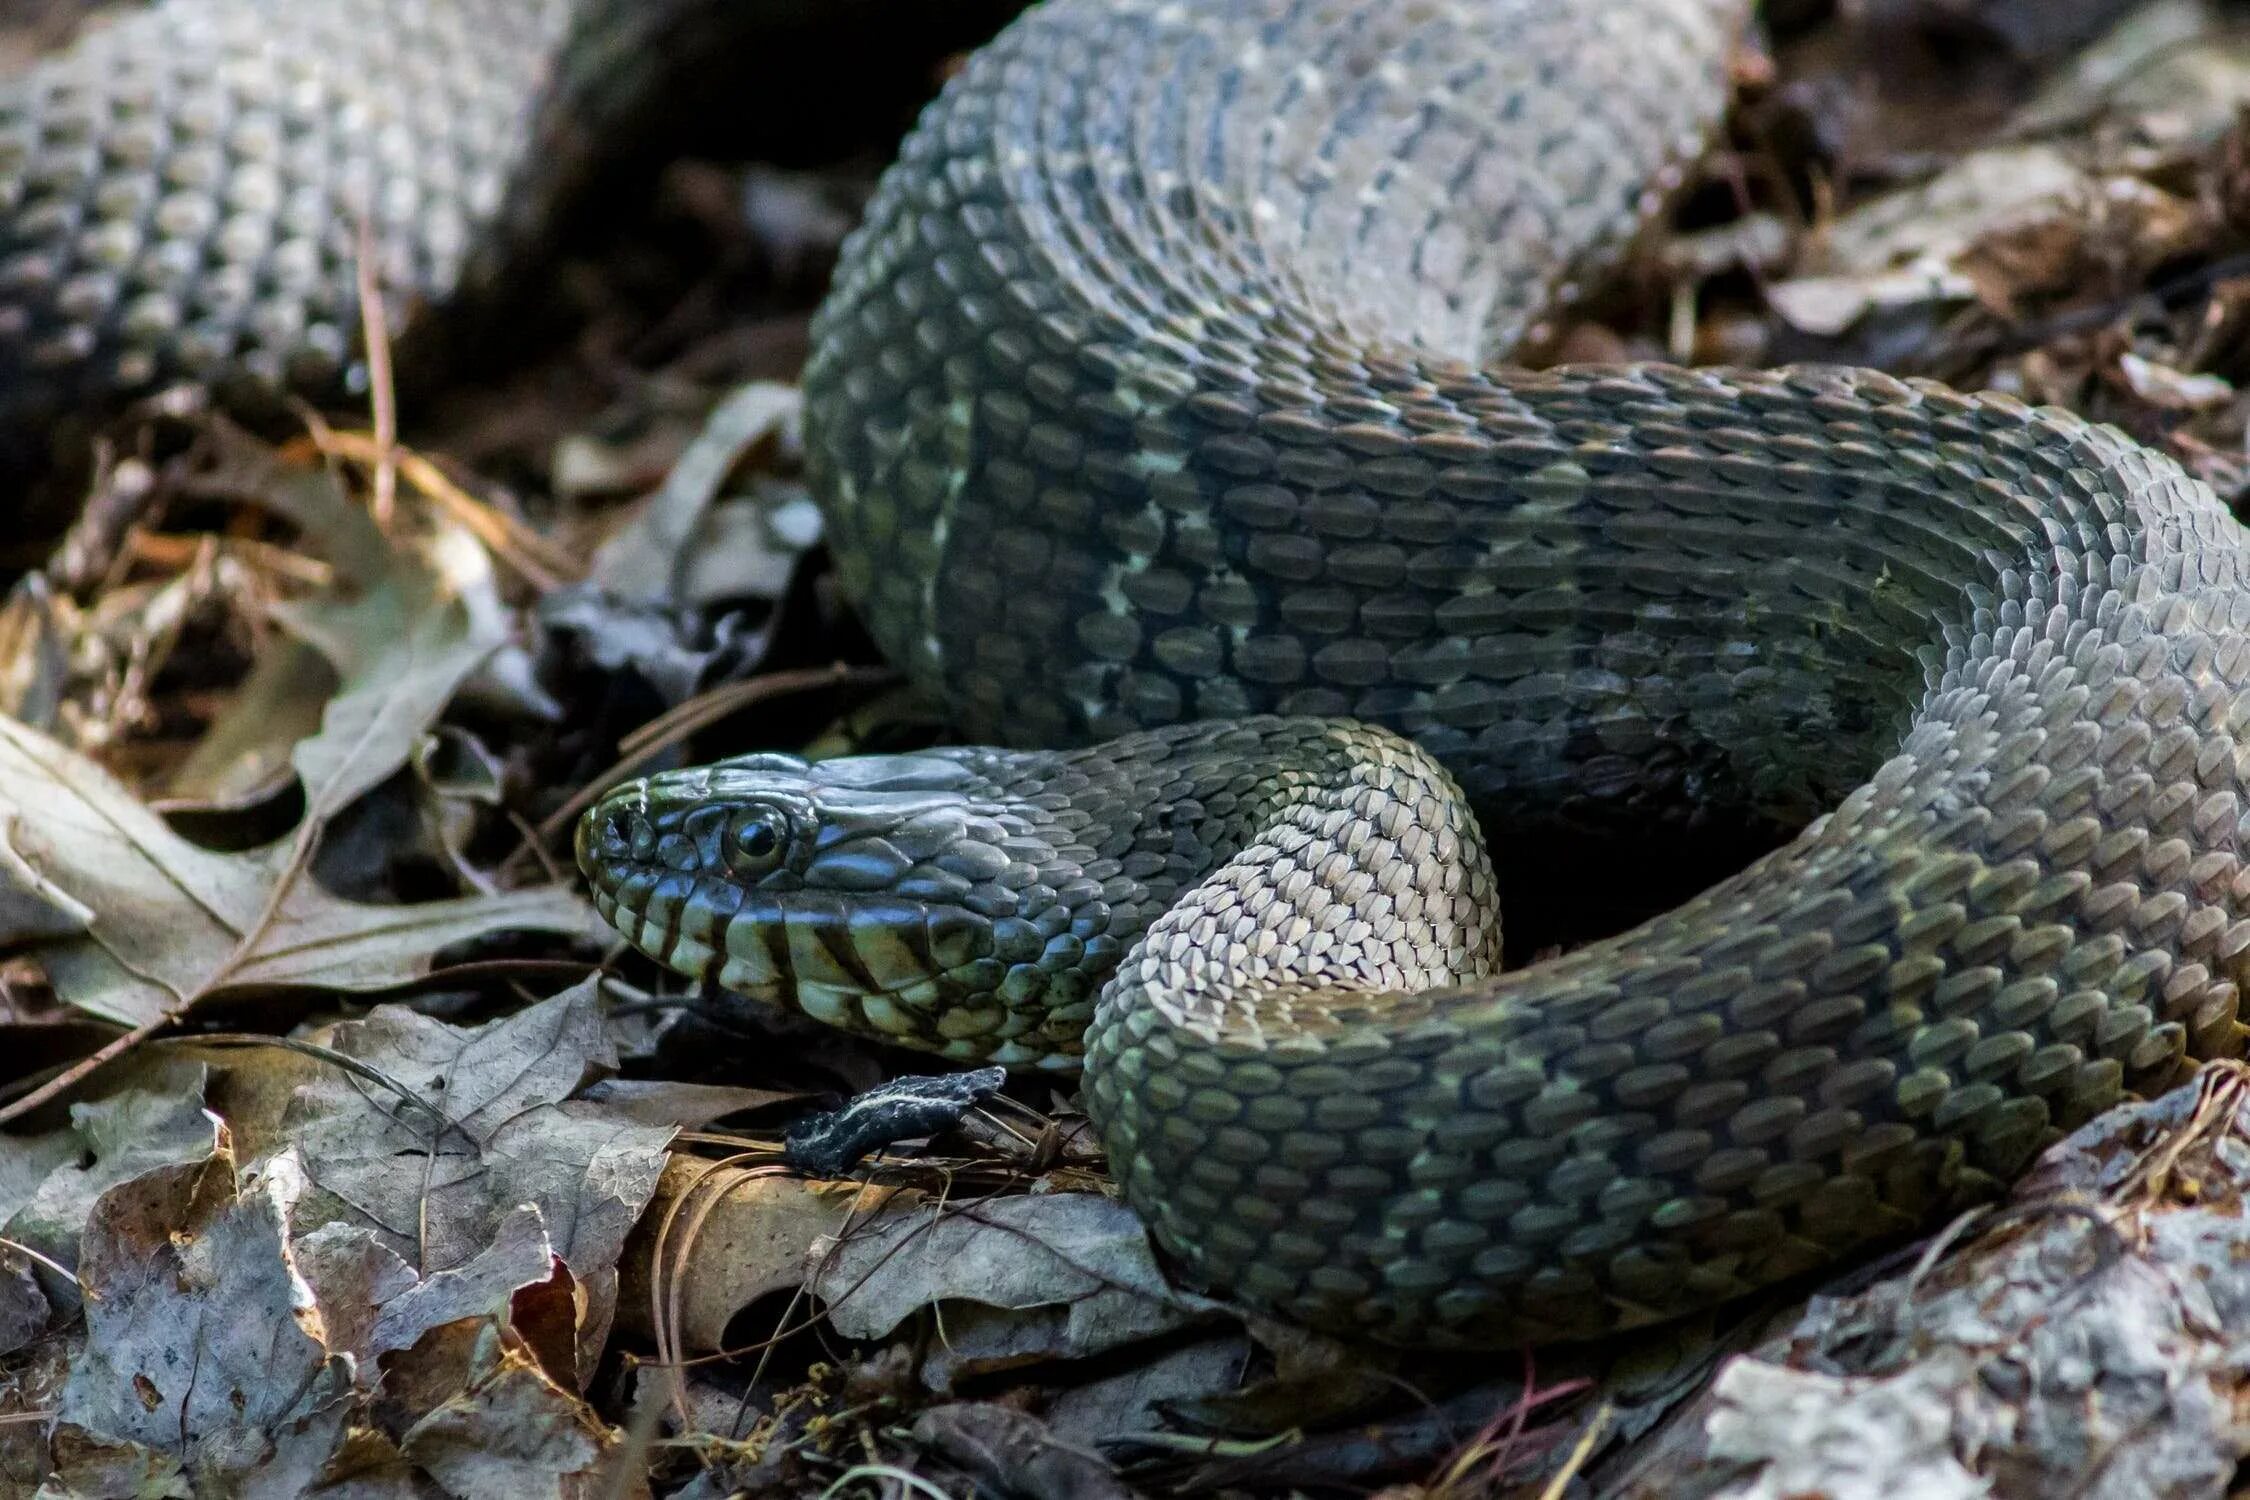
x,y
349,1153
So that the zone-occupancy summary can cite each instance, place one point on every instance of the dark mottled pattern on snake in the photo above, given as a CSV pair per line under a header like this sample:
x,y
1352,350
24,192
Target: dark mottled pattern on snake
x,y
1162,417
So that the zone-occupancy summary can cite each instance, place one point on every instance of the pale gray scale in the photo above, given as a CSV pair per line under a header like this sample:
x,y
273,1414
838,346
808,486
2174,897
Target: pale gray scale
x,y
1047,149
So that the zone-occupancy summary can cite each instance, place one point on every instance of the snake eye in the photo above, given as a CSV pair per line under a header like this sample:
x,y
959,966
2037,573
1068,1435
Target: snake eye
x,y
754,840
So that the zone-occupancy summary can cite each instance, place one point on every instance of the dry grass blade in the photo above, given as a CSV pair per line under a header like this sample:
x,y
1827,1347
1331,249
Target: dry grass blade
x,y
540,562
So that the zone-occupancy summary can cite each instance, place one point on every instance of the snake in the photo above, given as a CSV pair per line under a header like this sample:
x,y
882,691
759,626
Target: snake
x,y
1174,413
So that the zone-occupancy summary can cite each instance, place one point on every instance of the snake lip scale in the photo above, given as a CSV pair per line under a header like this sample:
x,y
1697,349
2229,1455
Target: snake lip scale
x,y
1162,416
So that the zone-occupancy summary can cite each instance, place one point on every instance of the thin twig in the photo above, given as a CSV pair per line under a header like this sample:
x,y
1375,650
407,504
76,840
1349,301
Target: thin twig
x,y
56,1266
382,400
70,1077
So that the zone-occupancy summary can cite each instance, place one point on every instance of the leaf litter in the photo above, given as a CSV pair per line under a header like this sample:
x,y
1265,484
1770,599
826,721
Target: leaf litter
x,y
348,1156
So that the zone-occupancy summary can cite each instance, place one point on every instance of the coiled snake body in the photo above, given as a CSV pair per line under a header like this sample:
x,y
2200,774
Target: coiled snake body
x,y
1156,415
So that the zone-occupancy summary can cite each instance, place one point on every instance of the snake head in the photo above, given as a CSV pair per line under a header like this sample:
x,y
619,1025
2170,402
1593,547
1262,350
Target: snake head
x,y
906,897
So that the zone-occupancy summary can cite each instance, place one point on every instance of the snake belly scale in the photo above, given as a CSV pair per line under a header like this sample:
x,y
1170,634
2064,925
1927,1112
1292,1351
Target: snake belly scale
x,y
1161,413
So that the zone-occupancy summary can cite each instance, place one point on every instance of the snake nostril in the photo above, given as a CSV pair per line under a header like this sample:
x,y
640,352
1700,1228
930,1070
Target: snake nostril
x,y
639,836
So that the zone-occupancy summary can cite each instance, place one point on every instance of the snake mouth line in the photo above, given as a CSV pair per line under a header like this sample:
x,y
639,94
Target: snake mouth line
x,y
891,968
764,944
884,895
804,952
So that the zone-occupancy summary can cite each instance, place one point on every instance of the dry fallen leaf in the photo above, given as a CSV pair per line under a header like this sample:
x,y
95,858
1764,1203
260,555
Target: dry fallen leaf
x,y
1014,1452
159,922
411,1273
644,561
1016,1280
2051,205
729,1236
511,1433
2082,1340
367,662
201,1348
467,1124
152,1117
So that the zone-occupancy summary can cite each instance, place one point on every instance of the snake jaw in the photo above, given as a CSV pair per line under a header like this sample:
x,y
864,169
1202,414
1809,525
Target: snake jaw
x,y
889,895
